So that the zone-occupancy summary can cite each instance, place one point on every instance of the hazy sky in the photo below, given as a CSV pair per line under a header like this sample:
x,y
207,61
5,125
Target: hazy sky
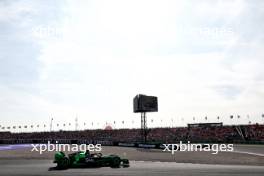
x,y
90,58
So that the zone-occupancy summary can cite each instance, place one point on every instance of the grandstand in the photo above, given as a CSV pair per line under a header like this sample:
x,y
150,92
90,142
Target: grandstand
x,y
206,132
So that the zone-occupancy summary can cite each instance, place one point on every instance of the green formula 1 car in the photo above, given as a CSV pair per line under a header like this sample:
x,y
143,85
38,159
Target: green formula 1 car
x,y
85,159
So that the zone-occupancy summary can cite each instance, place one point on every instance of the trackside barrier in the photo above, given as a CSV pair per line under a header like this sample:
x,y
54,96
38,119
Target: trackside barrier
x,y
146,146
126,144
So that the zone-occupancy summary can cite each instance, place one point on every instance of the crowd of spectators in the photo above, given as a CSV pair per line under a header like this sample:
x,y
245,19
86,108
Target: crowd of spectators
x,y
218,134
254,132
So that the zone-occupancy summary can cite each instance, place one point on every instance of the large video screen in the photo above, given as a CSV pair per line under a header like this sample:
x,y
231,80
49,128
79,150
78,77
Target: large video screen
x,y
144,103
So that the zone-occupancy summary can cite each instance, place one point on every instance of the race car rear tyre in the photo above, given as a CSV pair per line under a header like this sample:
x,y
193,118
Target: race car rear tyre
x,y
115,163
64,163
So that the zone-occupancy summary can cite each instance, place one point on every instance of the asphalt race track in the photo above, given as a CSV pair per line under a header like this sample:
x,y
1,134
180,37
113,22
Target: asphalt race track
x,y
245,160
44,167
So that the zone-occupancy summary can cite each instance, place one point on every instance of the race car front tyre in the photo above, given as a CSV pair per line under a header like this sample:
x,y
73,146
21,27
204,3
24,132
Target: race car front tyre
x,y
115,163
64,163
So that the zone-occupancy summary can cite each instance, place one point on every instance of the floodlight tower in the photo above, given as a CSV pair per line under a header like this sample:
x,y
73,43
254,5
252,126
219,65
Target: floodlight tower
x,y
144,104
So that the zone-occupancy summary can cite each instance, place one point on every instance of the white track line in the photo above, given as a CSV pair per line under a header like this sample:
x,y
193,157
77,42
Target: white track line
x,y
250,153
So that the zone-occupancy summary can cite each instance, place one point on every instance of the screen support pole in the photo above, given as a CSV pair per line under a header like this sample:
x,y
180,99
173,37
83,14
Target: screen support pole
x,y
144,127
